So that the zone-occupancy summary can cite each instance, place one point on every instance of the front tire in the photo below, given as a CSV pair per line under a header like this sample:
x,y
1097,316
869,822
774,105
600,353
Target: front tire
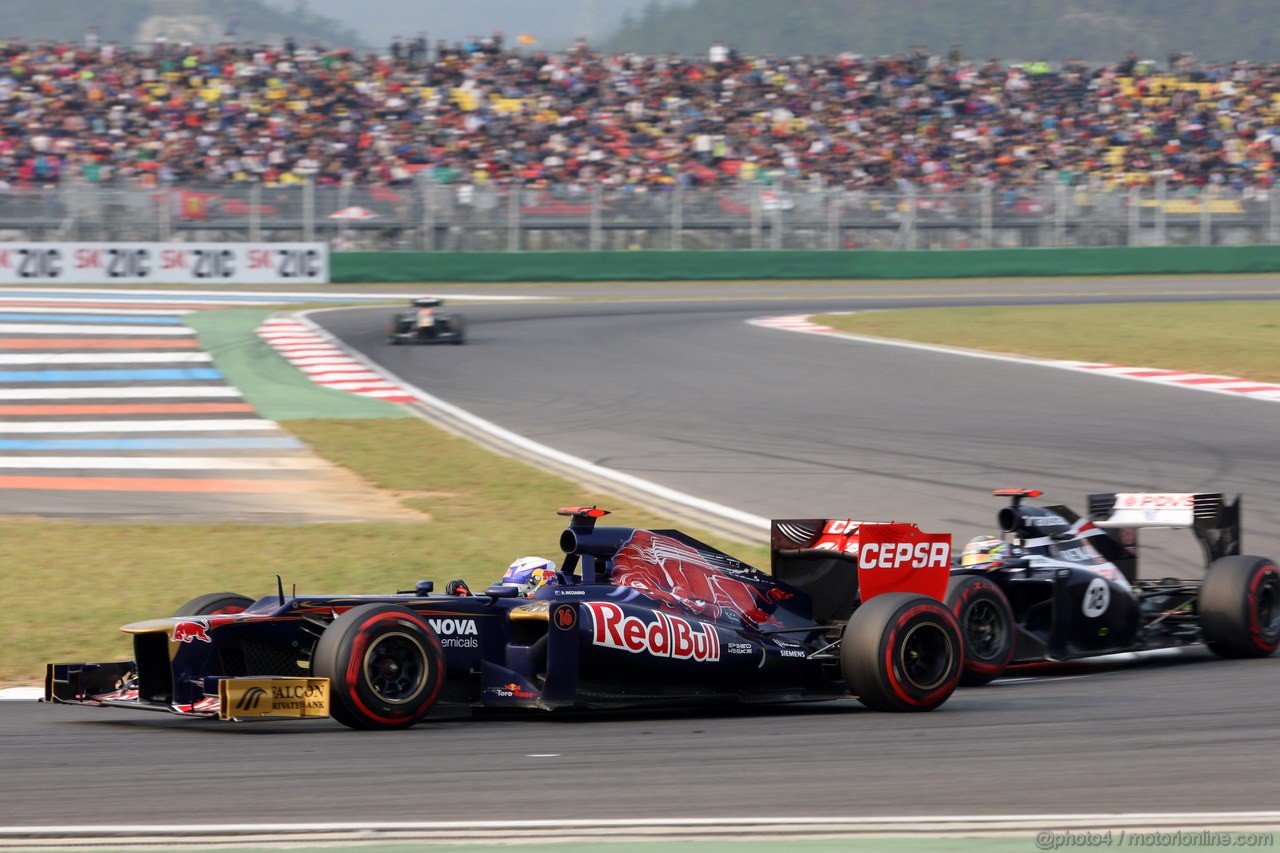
x,y
214,604
458,326
384,664
986,625
901,652
1239,607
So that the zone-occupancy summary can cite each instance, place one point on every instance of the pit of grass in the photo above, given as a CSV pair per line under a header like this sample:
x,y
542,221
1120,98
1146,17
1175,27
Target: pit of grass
x,y
71,585
1239,339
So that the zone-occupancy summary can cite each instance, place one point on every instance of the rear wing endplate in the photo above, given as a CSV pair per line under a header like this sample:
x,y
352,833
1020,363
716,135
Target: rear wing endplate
x,y
841,562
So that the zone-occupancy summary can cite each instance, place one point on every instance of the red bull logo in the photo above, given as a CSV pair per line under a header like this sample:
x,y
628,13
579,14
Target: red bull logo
x,y
667,637
186,632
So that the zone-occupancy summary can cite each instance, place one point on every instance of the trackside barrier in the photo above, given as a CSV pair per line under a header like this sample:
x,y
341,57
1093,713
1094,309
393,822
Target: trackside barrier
x,y
348,267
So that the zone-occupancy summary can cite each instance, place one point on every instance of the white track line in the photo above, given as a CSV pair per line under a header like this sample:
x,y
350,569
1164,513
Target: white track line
x,y
131,312
99,357
163,463
116,393
642,828
93,329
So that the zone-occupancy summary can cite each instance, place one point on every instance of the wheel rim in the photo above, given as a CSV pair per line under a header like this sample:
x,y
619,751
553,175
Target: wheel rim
x,y
985,631
395,668
925,656
1267,606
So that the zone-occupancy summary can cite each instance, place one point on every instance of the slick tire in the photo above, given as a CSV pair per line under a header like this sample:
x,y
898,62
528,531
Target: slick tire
x,y
214,604
458,326
902,652
986,626
1239,607
384,664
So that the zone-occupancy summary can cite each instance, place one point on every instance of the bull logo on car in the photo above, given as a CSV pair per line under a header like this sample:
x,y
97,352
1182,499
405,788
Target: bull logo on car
x,y
186,632
680,578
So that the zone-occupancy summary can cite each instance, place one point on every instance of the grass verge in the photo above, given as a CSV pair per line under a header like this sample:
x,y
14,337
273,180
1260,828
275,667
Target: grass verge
x,y
1227,338
71,585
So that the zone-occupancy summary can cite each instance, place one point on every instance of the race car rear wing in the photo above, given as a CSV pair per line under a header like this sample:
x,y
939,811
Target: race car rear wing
x,y
1215,523
841,563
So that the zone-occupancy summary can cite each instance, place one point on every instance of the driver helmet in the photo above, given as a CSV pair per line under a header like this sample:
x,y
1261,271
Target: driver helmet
x,y
529,573
984,552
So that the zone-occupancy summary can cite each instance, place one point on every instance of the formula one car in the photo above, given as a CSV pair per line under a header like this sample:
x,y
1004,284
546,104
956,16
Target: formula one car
x,y
424,325
632,618
1061,587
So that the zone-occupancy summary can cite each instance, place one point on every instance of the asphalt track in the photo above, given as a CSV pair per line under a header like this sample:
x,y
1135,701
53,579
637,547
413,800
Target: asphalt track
x,y
686,394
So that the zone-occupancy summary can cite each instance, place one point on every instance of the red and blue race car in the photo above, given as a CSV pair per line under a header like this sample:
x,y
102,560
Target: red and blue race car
x,y
634,617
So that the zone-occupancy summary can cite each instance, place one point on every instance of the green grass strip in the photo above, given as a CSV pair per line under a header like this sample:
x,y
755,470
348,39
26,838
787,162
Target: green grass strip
x,y
1239,339
273,386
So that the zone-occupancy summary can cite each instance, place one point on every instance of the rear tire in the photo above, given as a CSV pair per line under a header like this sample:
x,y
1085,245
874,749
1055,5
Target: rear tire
x,y
214,604
1239,607
384,664
901,652
986,625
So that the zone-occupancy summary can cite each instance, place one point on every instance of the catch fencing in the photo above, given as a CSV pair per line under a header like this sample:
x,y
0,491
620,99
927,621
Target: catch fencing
x,y
435,217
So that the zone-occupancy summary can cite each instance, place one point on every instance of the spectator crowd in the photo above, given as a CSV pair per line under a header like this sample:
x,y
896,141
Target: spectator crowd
x,y
485,113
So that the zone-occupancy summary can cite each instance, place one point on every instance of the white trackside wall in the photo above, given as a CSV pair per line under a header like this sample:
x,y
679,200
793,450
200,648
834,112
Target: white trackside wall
x,y
164,263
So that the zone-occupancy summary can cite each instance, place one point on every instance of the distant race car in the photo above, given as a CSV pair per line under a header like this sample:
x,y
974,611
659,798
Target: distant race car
x,y
1061,587
633,618
423,324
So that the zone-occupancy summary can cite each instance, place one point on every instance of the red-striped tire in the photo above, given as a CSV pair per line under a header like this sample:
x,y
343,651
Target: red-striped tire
x,y
986,626
384,664
214,604
1239,607
902,652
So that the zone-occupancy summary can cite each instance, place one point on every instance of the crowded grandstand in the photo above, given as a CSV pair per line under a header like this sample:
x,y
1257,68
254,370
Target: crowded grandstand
x,y
489,113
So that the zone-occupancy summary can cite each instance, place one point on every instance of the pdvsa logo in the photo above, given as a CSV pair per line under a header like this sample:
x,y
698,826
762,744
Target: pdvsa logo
x,y
1159,501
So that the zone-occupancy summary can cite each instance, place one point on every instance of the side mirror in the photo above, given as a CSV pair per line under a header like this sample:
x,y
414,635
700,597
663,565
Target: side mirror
x,y
502,590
